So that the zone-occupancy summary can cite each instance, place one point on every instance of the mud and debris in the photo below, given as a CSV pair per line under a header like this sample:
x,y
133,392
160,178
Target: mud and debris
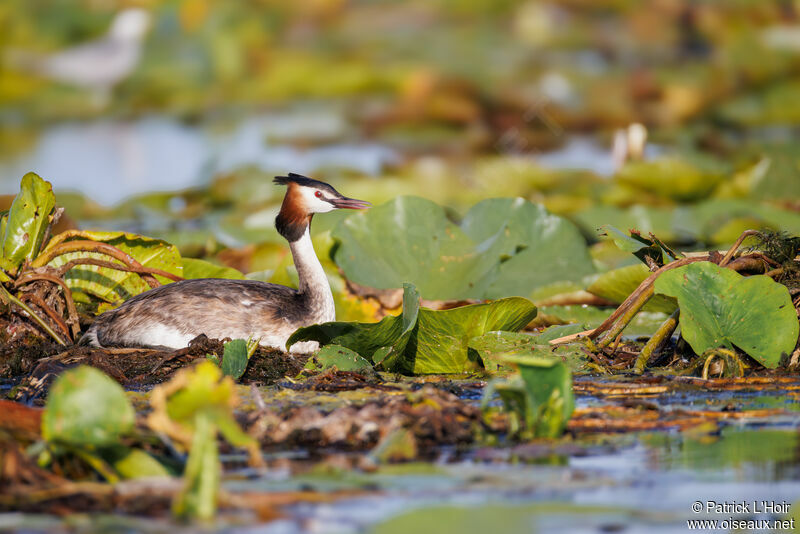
x,y
34,367
434,417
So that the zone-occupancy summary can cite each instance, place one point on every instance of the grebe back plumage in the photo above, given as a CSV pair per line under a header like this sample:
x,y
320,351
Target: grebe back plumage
x,y
172,315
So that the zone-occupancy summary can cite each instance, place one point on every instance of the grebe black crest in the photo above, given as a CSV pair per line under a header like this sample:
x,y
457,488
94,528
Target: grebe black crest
x,y
172,315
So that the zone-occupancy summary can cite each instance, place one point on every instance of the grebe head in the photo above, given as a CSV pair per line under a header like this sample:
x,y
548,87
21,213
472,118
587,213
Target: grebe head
x,y
305,197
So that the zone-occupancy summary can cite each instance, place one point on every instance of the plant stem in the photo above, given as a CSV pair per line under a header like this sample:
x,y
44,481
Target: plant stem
x,y
141,271
729,255
11,298
50,312
626,317
662,334
638,298
100,248
72,311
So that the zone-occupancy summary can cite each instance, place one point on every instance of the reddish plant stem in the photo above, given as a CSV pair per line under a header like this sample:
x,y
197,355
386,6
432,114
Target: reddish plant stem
x,y
92,246
631,305
72,311
124,268
41,304
729,255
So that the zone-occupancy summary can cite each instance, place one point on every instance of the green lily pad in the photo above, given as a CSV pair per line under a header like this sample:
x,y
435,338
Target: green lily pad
x,y
549,385
494,348
234,358
108,284
503,247
618,284
671,177
419,340
136,463
534,247
647,250
26,223
195,268
656,219
539,400
721,308
86,407
712,216
337,356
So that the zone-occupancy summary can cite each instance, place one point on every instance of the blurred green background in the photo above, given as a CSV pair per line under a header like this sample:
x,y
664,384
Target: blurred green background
x,y
452,101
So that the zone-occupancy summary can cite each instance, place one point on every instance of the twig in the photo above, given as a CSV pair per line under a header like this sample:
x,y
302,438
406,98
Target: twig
x,y
72,311
570,338
54,218
37,300
654,343
748,263
631,305
729,255
100,248
6,295
116,266
774,272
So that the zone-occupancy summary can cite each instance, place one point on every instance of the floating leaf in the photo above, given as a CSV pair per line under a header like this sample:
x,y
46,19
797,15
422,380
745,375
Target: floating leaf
x,y
503,247
494,348
108,284
136,463
549,385
713,215
191,409
86,408
339,357
618,284
194,268
671,177
27,221
419,340
721,308
235,356
662,221
539,400
649,251
535,248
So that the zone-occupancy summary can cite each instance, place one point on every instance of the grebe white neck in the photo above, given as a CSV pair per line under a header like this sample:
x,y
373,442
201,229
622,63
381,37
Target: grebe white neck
x,y
313,283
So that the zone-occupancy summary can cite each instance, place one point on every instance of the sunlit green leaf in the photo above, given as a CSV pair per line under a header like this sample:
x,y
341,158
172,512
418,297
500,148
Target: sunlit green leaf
x,y
136,463
671,177
108,284
422,341
235,358
195,268
27,221
539,400
339,357
86,408
503,247
618,284
721,308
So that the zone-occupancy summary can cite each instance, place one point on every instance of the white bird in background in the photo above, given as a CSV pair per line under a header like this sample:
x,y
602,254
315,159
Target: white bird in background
x,y
628,145
97,65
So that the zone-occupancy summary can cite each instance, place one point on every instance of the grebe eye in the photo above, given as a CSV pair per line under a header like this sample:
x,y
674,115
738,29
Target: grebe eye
x,y
318,194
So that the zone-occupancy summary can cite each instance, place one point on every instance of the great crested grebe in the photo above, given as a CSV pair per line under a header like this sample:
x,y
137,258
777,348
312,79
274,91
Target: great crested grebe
x,y
174,314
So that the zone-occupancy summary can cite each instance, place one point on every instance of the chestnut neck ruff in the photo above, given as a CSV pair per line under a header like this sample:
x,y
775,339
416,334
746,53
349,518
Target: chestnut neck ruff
x,y
293,219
